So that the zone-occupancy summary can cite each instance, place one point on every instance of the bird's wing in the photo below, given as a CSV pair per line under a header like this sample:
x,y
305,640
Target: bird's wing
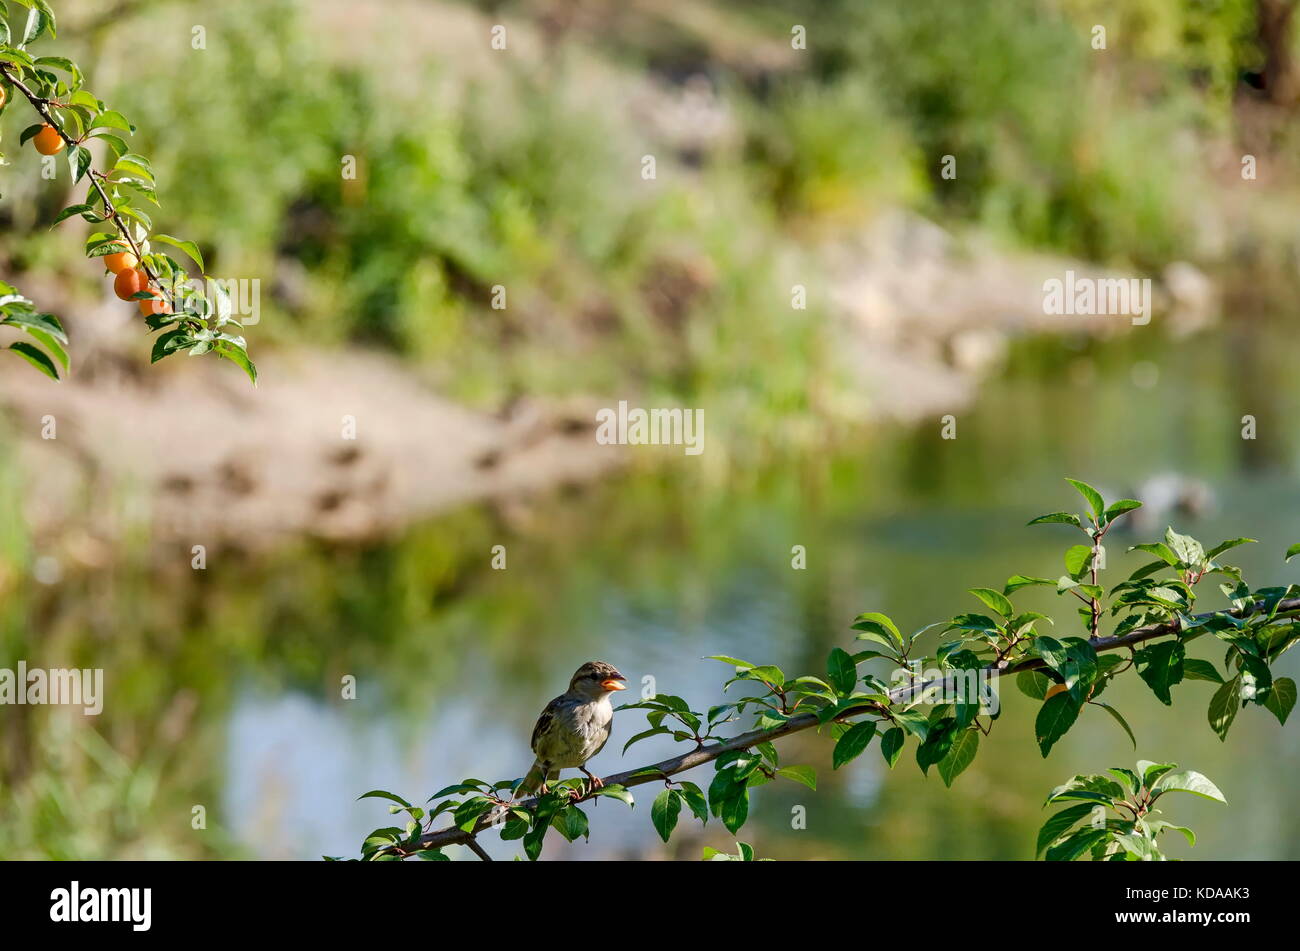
x,y
545,722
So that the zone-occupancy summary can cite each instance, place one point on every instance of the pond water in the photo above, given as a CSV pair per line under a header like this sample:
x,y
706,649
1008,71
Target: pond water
x,y
229,685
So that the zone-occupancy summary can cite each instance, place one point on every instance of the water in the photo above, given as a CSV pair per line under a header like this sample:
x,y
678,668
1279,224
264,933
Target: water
x,y
229,685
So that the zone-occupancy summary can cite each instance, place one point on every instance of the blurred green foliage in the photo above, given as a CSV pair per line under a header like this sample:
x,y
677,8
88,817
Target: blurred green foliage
x,y
518,175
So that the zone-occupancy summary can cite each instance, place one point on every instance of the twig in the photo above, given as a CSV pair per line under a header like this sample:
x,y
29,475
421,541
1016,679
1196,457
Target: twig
x,y
698,757
42,107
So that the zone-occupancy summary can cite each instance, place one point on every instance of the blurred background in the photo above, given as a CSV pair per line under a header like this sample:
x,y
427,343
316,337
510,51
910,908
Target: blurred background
x,y
775,166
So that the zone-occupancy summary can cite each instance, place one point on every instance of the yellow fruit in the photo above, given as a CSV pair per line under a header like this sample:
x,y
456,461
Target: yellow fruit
x,y
130,282
48,141
120,261
156,306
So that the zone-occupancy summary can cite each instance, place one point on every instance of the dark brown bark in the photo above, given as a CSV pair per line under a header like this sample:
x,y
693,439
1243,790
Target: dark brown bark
x,y
1281,81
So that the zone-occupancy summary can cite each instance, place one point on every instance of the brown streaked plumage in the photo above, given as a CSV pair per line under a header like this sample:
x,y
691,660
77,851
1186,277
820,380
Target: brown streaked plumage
x,y
574,727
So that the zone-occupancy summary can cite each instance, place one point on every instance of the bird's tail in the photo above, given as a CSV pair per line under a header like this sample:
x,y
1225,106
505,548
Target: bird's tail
x,y
533,781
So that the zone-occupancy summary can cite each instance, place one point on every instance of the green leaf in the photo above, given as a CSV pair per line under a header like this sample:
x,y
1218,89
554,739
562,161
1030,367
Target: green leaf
x,y
189,247
1281,698
70,211
1220,548
37,23
1188,549
130,168
734,810
1055,827
730,660
63,63
1161,666
1186,780
50,344
876,623
1076,845
914,722
36,357
1292,551
936,744
1064,517
384,794
1118,719
1077,559
30,320
1116,509
169,343
1152,771
1054,719
1196,669
618,792
653,731
891,745
1224,706
694,799
800,774
664,811
79,159
994,599
112,120
571,823
960,755
853,742
1160,550
1159,825
239,357
1016,582
1034,684
1091,495
842,670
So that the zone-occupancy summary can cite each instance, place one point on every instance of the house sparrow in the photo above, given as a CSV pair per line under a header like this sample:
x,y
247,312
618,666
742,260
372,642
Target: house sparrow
x,y
574,726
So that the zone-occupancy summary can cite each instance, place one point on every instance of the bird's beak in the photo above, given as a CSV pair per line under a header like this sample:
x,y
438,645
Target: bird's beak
x,y
613,683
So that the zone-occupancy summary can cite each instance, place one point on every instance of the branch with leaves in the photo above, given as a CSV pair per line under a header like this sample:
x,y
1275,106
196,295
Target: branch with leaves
x,y
945,703
194,315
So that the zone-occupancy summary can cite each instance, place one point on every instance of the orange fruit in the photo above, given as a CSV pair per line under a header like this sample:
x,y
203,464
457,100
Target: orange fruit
x,y
130,282
119,261
1053,690
48,141
3,96
156,306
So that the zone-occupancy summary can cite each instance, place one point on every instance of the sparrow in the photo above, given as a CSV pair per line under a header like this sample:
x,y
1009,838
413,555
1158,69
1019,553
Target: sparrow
x,y
574,726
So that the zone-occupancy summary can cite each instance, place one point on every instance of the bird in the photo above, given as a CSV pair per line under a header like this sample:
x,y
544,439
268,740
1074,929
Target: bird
x,y
574,726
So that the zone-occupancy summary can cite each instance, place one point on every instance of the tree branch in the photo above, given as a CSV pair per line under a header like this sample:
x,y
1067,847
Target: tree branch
x,y
706,754
42,107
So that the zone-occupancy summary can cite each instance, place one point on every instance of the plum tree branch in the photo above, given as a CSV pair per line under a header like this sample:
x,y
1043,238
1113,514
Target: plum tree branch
x,y
42,107
659,772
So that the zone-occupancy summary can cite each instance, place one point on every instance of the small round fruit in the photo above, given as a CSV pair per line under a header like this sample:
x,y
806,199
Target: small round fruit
x,y
120,261
130,282
3,97
156,306
48,141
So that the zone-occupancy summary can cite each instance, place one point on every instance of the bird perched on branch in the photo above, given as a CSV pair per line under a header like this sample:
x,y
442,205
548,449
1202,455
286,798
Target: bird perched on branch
x,y
574,726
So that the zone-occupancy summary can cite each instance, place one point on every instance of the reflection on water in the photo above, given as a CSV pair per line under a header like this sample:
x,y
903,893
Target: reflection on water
x,y
453,660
